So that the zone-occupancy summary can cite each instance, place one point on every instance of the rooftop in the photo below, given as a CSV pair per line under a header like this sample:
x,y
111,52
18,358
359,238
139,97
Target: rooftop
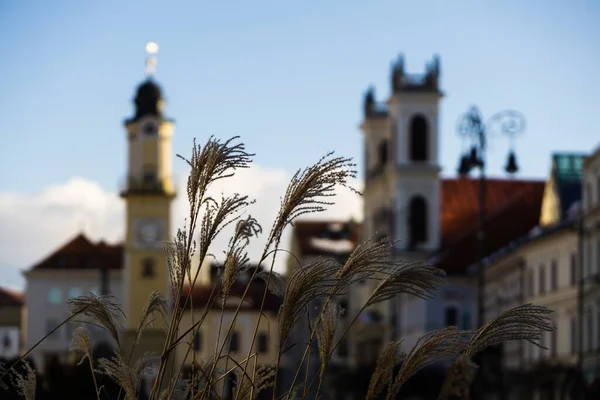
x,y
10,298
332,238
81,253
201,295
513,215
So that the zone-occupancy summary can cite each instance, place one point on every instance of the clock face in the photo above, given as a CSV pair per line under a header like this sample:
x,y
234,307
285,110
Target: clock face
x,y
148,231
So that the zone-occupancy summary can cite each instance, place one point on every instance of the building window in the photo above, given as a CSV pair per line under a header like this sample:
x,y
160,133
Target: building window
x,y
74,292
148,268
466,321
530,283
573,269
542,281
263,342
234,343
418,138
553,275
451,316
382,152
197,341
51,324
54,296
417,221
149,129
573,335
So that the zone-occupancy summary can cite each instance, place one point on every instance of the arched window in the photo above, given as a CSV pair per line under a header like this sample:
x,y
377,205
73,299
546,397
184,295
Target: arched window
x,y
382,152
417,214
419,136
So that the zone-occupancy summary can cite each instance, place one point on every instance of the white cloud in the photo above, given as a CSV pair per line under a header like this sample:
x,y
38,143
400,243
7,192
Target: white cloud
x,y
31,226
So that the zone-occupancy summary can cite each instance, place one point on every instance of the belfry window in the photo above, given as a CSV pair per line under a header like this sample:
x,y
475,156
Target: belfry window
x,y
419,138
149,176
149,129
148,268
382,152
417,221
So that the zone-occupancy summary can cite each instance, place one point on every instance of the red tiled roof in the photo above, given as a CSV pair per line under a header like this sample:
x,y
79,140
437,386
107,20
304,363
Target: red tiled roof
x,y
306,230
81,253
505,222
202,293
517,201
460,202
10,298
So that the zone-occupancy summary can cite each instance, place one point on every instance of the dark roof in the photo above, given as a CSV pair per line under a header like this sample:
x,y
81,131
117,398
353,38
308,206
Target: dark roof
x,y
147,101
81,253
202,293
306,231
505,222
9,298
459,217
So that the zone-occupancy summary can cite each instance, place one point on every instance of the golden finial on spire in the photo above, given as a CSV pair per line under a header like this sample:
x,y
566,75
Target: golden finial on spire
x,y
151,49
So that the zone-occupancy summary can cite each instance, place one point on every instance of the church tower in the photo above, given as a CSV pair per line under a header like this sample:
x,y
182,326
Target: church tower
x,y
148,193
402,169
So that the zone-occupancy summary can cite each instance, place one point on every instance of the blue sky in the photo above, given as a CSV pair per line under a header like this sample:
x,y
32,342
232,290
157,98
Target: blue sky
x,y
288,77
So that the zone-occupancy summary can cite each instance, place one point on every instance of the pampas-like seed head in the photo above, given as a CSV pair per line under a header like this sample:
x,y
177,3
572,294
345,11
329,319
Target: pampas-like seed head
x,y
26,382
525,322
245,389
325,331
418,279
436,345
156,304
276,282
307,191
368,260
102,309
125,376
315,280
210,163
82,343
384,370
458,379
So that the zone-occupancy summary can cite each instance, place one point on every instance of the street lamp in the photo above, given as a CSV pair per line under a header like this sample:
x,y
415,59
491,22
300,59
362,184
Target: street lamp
x,y
472,129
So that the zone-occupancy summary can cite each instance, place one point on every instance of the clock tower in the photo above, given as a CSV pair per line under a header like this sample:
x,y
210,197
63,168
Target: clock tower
x,y
148,193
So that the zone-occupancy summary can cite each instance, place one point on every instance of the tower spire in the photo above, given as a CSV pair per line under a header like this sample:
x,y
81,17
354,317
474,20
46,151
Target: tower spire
x,y
151,49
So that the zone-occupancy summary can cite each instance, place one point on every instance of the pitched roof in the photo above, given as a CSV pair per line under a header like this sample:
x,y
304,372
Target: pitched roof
x,y
201,295
322,237
460,202
81,253
10,298
506,221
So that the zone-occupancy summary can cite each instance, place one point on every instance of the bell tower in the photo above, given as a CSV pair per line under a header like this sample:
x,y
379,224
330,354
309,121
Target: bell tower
x,y
402,176
148,191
